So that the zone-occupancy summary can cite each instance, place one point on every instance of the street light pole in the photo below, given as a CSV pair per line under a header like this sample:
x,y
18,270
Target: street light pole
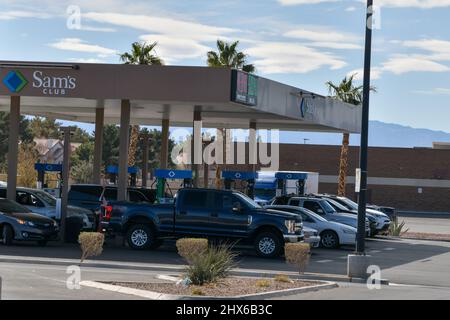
x,y
360,241
358,262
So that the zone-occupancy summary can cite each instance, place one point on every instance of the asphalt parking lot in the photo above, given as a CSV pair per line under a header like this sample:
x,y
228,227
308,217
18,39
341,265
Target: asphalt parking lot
x,y
411,266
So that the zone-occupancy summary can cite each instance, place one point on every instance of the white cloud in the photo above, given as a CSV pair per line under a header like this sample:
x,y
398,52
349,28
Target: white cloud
x,y
75,44
400,64
299,2
440,49
325,37
439,91
17,14
86,60
375,73
161,25
283,57
172,49
422,4
350,9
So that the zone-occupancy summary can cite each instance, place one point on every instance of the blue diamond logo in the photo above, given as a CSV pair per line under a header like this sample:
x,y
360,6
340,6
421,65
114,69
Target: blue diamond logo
x,y
15,81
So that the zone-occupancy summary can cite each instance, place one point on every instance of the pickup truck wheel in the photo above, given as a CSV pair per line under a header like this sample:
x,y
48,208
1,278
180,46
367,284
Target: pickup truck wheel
x,y
329,240
268,245
140,236
7,235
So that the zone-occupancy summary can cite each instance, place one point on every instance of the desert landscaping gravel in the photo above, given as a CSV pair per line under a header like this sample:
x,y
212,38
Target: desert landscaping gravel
x,y
232,286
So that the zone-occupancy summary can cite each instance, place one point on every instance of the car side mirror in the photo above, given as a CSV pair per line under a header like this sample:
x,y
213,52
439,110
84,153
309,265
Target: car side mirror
x,y
237,208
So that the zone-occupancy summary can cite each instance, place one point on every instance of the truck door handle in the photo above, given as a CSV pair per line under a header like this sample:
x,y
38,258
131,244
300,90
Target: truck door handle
x,y
183,213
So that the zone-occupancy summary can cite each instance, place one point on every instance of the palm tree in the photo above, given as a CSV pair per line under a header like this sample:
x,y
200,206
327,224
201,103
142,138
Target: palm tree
x,y
347,92
141,53
227,56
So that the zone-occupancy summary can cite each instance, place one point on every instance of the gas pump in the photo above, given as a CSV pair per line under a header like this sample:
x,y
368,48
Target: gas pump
x,y
113,171
42,168
232,177
162,175
282,179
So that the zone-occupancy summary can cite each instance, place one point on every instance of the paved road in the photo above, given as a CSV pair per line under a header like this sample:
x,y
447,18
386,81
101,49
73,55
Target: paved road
x,y
349,291
411,262
47,282
427,225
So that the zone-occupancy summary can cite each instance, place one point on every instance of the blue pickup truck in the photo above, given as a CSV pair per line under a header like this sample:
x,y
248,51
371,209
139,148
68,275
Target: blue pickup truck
x,y
215,214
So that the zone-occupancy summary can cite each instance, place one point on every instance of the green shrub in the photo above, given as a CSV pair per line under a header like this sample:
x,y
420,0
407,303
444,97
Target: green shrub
x,y
396,228
197,292
212,265
263,283
91,244
282,278
190,247
297,254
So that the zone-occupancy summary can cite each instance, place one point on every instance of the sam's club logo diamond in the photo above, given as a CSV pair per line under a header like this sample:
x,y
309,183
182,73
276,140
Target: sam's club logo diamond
x,y
15,81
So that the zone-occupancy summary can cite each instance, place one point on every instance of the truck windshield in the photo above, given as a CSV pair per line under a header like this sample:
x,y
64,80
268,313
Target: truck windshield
x,y
248,201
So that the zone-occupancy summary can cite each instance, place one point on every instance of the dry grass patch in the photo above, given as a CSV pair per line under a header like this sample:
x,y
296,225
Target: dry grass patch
x,y
91,244
188,248
298,255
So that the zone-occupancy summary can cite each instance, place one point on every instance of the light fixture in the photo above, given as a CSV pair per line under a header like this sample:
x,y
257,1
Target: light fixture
x,y
25,65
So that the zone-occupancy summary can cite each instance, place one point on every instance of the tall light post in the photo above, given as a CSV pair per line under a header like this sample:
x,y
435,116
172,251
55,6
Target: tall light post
x,y
358,263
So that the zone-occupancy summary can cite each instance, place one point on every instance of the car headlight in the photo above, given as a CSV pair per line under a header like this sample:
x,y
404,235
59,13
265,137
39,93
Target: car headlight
x,y
348,231
290,225
24,222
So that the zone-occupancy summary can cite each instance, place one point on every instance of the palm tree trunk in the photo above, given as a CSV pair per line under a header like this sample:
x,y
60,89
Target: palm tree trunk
x,y
343,164
134,137
220,139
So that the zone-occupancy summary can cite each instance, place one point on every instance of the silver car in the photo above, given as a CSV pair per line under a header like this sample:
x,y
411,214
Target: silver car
x,y
43,203
332,234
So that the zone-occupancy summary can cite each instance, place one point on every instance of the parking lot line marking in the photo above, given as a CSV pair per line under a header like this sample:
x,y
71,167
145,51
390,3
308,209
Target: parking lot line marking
x,y
389,249
374,251
324,261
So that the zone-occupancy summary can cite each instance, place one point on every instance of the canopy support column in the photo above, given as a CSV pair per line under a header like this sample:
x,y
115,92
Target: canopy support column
x,y
252,146
123,150
197,145
164,143
13,147
98,144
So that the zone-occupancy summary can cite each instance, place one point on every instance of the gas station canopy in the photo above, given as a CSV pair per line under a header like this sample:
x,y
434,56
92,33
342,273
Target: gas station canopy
x,y
226,98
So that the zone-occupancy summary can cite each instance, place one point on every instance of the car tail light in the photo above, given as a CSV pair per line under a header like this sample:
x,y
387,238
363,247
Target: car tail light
x,y
107,210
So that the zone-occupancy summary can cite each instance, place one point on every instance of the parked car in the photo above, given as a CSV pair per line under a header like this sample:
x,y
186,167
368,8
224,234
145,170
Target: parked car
x,y
19,223
322,208
382,220
311,236
209,213
43,203
389,211
340,208
332,234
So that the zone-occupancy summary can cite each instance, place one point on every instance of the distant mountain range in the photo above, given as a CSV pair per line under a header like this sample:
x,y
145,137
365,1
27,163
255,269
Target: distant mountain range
x,y
381,134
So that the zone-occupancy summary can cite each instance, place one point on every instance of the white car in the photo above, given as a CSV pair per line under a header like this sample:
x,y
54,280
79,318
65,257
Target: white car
x,y
332,234
311,236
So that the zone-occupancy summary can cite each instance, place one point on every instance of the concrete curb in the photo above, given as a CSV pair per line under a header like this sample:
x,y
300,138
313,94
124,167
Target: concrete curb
x,y
162,296
169,268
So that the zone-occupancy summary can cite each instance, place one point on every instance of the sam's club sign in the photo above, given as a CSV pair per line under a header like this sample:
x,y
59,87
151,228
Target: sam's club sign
x,y
49,85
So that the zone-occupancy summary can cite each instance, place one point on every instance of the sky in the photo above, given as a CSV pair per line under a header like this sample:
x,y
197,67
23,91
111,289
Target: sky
x,y
298,42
